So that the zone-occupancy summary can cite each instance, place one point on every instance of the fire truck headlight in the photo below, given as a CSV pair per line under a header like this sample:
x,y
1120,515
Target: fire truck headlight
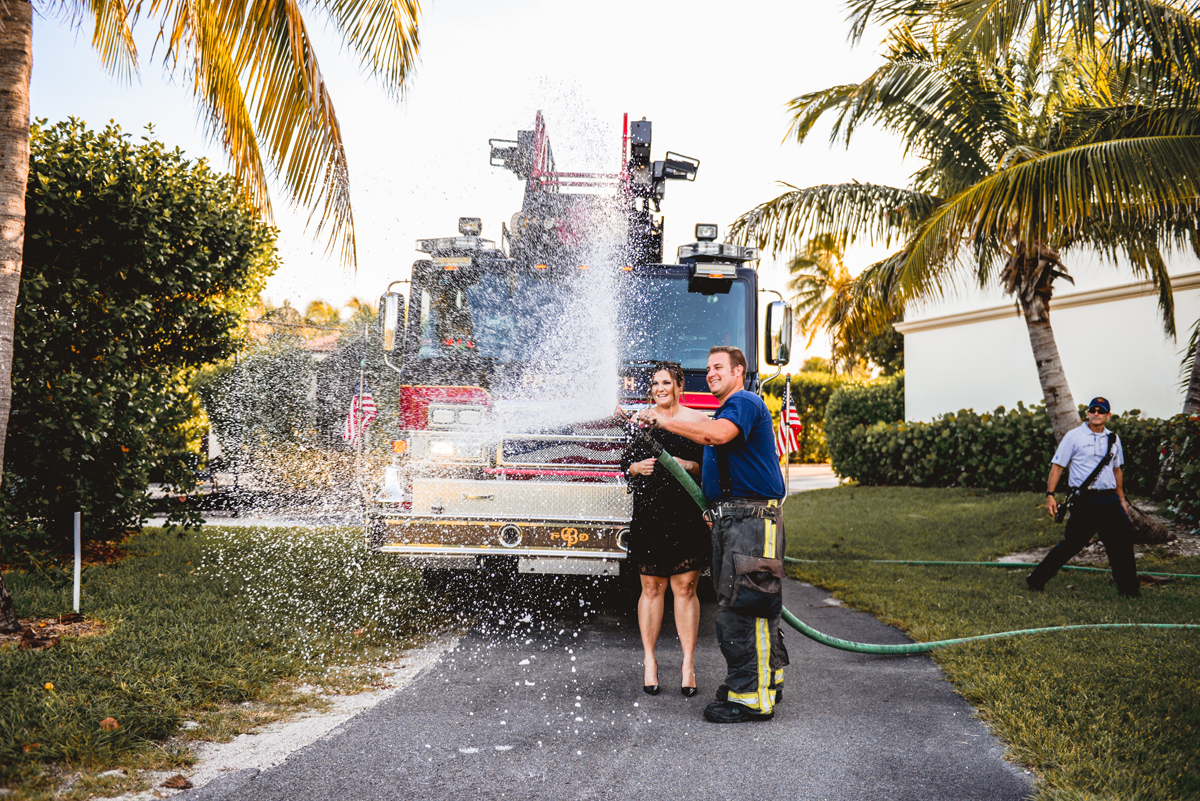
x,y
448,448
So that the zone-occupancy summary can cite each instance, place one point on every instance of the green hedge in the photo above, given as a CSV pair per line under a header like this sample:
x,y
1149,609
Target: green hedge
x,y
1183,471
811,392
860,404
1007,450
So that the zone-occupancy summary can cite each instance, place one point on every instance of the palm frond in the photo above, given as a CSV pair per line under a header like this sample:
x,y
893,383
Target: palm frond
x,y
879,213
256,74
1061,197
1133,28
383,33
112,34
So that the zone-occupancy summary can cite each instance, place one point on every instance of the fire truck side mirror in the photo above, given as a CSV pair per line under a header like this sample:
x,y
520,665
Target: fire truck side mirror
x,y
777,338
390,305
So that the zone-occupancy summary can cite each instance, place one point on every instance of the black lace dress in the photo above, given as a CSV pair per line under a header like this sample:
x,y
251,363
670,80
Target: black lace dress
x,y
668,535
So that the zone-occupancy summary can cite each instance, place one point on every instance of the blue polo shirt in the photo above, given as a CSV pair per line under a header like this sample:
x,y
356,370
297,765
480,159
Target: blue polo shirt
x,y
753,460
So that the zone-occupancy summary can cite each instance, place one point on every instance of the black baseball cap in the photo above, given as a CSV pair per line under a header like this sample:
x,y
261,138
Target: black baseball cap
x,y
1101,402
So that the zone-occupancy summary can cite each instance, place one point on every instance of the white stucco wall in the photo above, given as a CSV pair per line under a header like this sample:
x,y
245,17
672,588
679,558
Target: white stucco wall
x,y
972,350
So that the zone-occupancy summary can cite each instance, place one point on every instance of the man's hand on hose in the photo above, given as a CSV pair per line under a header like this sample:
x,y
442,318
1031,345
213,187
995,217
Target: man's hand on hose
x,y
646,418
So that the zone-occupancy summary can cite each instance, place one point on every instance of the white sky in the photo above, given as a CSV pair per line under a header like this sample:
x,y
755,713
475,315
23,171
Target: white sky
x,y
713,77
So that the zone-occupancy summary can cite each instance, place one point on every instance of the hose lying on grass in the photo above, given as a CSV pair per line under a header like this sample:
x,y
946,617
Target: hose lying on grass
x,y
668,461
975,564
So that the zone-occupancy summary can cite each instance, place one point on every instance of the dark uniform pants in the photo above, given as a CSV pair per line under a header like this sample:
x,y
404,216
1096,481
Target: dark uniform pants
x,y
1092,515
748,548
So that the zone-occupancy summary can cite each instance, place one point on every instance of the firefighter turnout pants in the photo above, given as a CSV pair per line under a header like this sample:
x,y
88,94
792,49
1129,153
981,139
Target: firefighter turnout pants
x,y
748,548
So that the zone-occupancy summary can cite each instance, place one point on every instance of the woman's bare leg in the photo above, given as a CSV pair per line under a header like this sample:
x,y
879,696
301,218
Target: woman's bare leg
x,y
687,620
650,615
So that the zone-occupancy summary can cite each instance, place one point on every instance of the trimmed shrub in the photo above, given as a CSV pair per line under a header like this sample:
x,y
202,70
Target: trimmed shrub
x,y
860,404
1183,473
1006,450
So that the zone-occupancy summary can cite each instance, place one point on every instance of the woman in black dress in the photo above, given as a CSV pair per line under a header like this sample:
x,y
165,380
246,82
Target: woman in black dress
x,y
668,538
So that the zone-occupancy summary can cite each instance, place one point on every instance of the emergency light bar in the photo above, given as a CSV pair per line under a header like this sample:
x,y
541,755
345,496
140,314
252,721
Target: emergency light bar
x,y
451,243
717,250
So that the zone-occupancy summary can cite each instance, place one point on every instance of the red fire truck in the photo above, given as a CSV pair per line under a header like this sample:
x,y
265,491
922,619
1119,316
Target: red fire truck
x,y
504,461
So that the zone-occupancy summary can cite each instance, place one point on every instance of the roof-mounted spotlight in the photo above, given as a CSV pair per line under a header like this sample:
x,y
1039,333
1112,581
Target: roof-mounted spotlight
x,y
712,266
677,168
470,226
706,232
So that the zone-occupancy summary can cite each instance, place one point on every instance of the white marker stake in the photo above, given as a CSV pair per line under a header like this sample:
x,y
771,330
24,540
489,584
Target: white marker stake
x,y
78,559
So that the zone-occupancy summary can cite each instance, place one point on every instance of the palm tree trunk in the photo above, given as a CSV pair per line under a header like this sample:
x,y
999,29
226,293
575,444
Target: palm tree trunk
x,y
16,63
1191,401
1060,405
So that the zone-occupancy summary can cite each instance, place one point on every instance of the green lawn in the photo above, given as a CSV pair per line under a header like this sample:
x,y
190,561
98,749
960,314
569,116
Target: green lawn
x,y
195,627
1097,715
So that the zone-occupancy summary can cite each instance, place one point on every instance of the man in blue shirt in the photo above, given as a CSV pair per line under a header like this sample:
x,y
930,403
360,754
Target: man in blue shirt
x,y
1100,509
741,476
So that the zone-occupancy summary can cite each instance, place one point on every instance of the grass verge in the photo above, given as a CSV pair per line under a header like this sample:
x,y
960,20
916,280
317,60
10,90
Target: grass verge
x,y
1097,715
218,628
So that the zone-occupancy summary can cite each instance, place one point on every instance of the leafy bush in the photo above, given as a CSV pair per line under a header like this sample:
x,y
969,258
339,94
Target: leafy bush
x,y
137,265
811,392
879,401
1182,473
1006,450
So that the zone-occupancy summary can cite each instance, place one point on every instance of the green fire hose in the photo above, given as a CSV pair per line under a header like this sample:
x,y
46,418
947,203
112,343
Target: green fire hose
x,y
673,467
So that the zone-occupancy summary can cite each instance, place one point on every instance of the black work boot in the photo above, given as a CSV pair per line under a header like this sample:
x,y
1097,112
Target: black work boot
x,y
1033,585
727,712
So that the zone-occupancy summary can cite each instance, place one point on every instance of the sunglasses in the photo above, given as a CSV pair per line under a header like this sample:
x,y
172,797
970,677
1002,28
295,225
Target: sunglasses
x,y
1096,410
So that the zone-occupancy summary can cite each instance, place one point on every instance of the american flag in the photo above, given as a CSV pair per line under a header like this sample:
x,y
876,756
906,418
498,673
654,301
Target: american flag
x,y
362,412
786,437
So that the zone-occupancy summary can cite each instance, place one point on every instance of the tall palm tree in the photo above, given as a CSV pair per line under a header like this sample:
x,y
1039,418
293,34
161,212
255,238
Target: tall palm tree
x,y
252,67
819,279
1026,152
825,298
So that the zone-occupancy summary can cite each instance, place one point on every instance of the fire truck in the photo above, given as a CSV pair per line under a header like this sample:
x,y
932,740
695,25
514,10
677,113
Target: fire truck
x,y
513,359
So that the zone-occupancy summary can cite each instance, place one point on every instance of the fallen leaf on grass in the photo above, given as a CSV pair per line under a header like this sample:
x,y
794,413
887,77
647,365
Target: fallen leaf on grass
x,y
31,640
70,617
177,782
110,724
31,747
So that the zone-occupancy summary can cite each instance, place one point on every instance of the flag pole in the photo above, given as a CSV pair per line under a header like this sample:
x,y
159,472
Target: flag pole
x,y
787,455
362,367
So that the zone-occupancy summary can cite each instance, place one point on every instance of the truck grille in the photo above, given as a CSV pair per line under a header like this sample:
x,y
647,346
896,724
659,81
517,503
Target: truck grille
x,y
560,451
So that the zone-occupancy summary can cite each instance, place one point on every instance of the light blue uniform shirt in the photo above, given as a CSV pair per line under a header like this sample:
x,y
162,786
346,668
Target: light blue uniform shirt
x,y
1083,449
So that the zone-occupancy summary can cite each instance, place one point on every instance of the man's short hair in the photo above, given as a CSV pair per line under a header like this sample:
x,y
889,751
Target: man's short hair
x,y
736,357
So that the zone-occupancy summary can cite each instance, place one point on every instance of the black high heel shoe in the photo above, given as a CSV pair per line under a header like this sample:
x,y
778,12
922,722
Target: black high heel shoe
x,y
650,689
688,692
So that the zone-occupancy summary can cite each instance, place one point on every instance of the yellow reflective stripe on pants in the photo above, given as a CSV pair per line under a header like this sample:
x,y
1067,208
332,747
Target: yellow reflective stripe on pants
x,y
762,643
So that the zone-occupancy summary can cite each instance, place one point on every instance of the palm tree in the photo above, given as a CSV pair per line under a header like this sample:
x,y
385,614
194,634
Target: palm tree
x,y
825,299
819,279
1026,151
252,67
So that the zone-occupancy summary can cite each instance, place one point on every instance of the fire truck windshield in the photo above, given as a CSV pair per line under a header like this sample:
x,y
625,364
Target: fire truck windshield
x,y
666,322
508,317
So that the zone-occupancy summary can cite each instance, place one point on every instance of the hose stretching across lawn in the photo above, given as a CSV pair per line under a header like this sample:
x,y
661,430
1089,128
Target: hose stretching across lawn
x,y
672,466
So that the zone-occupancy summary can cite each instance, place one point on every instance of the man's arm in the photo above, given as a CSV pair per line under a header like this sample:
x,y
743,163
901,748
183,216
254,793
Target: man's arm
x,y
705,432
1051,483
1119,477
